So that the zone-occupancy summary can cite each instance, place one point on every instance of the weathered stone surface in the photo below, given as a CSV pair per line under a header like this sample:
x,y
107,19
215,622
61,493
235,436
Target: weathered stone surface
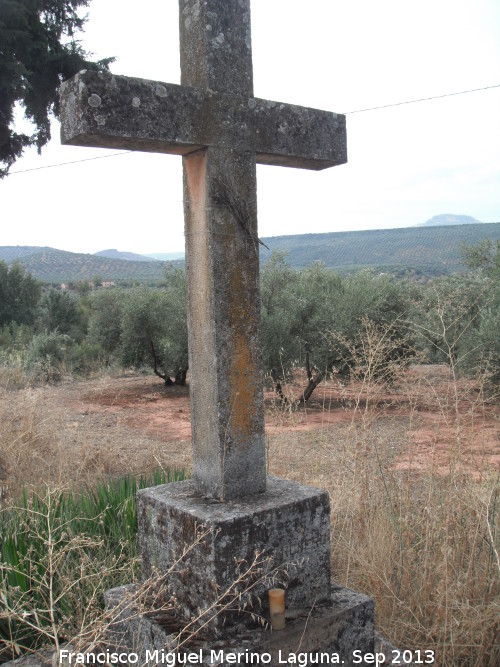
x,y
342,625
101,109
216,46
227,403
131,629
289,522
288,135
45,659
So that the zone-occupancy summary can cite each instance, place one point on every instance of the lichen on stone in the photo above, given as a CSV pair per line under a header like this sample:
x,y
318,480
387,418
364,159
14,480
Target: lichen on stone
x,y
94,100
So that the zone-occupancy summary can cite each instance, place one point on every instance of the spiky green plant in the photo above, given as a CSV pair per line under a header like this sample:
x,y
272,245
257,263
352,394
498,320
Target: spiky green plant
x,y
59,551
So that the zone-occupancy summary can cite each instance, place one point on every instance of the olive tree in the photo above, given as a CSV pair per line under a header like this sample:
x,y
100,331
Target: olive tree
x,y
447,318
63,312
310,318
154,328
280,348
105,320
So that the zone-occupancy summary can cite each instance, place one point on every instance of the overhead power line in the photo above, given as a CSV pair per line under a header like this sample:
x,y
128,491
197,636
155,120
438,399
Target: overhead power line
x,y
346,113
62,164
422,99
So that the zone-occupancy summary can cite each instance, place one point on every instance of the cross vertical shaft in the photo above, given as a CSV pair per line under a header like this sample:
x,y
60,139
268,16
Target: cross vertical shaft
x,y
222,266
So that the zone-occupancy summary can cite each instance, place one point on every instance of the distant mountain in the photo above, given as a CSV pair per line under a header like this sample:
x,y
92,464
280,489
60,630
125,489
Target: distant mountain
x,y
449,219
9,253
417,252
129,256
412,251
166,256
57,266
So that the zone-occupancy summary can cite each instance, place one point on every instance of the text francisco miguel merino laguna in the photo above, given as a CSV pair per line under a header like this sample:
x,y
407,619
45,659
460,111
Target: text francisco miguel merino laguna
x,y
199,657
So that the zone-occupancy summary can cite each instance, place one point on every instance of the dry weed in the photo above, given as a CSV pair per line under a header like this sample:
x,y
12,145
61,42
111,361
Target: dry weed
x,y
422,538
418,532
52,590
29,449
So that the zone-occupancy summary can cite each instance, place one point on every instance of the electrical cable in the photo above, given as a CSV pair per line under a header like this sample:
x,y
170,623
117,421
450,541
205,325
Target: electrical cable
x,y
422,99
347,113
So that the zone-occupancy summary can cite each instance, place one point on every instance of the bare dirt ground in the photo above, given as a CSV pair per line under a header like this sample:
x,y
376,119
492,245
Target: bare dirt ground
x,y
133,423
411,471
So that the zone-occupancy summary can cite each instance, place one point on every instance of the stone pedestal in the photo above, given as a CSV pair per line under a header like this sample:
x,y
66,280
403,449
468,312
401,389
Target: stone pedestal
x,y
289,524
326,624
338,632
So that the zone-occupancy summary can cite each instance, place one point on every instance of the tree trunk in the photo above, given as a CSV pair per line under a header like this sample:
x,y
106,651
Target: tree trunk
x,y
156,362
281,395
313,382
308,367
180,377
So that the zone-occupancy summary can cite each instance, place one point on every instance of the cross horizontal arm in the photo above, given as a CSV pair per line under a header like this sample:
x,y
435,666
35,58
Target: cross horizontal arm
x,y
287,135
103,110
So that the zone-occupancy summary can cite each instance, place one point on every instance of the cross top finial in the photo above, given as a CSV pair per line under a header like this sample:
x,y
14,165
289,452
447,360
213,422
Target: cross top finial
x,y
216,45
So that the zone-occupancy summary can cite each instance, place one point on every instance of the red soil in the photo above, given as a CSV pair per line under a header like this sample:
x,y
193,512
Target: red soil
x,y
451,423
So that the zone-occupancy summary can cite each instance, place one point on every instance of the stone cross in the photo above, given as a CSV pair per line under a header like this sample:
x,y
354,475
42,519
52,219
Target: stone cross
x,y
221,130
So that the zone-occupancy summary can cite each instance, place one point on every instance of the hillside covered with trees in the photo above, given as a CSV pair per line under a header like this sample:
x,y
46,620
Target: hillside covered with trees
x,y
59,266
414,252
313,319
410,251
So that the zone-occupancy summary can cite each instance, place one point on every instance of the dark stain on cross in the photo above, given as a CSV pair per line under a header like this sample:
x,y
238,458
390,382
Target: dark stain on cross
x,y
213,120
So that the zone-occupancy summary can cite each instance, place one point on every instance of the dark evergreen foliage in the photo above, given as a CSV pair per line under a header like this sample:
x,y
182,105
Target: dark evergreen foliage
x,y
38,51
62,311
19,295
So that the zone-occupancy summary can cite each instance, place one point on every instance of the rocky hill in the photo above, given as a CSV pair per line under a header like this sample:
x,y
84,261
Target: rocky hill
x,y
449,219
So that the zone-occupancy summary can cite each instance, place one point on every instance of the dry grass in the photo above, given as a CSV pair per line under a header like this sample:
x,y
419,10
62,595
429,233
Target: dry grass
x,y
30,451
420,534
45,440
422,538
12,374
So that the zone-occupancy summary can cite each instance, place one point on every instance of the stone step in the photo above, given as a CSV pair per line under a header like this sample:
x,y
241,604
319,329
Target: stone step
x,y
341,632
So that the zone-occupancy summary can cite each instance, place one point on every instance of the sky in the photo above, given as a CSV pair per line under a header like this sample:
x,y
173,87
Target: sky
x,y
406,163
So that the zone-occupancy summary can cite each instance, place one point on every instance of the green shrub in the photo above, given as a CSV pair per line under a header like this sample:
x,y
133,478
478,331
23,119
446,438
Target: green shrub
x,y
46,354
59,552
84,358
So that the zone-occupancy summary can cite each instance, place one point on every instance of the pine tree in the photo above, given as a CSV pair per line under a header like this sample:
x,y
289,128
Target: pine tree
x,y
38,51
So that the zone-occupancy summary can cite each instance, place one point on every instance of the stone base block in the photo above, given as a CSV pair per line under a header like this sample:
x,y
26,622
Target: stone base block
x,y
340,632
289,523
